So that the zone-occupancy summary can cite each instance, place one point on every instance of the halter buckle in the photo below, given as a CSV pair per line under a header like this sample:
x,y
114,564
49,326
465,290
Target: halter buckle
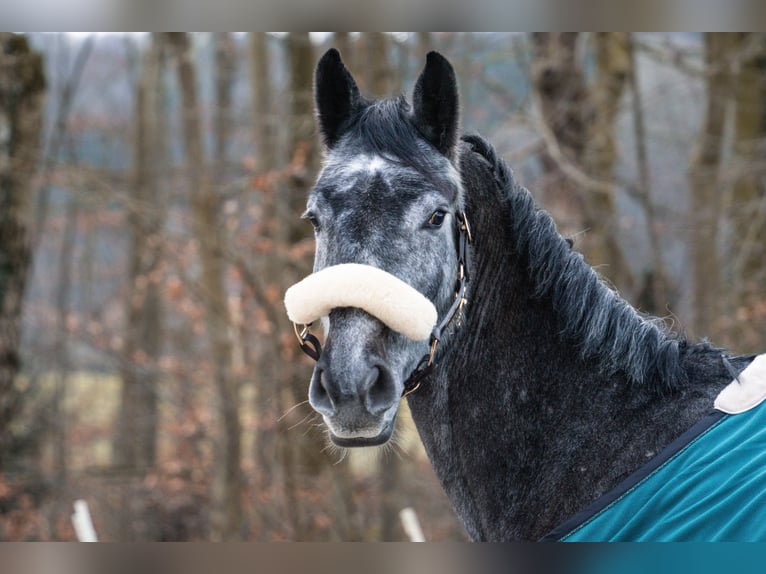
x,y
432,351
459,314
464,227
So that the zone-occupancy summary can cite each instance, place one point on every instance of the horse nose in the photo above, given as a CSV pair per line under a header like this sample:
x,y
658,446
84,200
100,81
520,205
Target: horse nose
x,y
379,390
322,395
373,389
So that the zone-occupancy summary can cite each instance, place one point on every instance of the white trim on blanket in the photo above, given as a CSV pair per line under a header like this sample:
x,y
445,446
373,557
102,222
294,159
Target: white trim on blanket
x,y
746,391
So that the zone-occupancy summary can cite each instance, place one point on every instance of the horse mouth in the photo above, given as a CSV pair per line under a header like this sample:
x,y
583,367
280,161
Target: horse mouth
x,y
350,439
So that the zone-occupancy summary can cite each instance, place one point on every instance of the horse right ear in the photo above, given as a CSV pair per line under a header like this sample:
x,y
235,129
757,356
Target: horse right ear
x,y
336,95
435,100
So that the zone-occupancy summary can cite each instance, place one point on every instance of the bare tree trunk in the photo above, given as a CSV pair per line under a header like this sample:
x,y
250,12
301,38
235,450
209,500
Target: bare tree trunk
x,y
56,141
267,376
60,347
659,300
704,185
22,86
135,439
561,96
262,109
301,453
227,515
578,127
225,70
298,454
749,191
265,349
600,154
581,119
231,521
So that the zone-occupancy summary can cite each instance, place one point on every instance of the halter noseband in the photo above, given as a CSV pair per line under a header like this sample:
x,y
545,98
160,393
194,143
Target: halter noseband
x,y
310,344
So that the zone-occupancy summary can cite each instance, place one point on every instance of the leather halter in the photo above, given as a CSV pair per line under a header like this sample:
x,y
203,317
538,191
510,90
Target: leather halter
x,y
310,344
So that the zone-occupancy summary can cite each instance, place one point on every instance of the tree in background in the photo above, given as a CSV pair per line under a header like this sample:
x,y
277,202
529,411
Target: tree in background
x,y
226,515
706,184
22,88
748,202
561,97
135,442
265,340
578,126
303,454
728,195
613,72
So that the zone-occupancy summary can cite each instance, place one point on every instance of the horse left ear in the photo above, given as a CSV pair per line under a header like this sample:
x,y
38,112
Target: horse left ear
x,y
435,101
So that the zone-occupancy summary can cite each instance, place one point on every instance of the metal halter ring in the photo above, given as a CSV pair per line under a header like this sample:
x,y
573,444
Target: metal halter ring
x,y
308,342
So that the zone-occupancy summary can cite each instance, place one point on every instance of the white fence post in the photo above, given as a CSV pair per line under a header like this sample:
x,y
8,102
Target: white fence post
x,y
411,525
83,525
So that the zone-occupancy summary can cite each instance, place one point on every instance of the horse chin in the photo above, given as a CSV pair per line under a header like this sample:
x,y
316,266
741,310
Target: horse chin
x,y
350,440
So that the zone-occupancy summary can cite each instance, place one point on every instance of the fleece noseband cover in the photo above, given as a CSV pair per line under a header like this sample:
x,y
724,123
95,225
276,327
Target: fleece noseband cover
x,y
395,303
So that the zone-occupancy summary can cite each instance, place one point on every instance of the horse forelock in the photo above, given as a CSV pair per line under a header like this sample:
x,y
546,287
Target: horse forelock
x,y
384,129
603,326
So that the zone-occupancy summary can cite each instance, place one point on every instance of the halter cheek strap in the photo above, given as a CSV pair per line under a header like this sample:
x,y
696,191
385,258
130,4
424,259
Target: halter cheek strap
x,y
380,293
427,364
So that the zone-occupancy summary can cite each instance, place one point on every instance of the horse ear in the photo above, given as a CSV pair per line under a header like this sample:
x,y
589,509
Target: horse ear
x,y
336,95
435,100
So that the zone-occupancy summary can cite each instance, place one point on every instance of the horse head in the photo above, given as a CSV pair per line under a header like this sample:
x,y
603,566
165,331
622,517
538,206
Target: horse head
x,y
387,214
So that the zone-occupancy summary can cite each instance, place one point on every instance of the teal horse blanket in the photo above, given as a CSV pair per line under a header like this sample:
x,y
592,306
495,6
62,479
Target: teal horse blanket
x,y
709,485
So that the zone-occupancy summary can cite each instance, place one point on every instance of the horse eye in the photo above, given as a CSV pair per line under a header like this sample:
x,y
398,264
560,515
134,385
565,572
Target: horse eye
x,y
437,218
312,219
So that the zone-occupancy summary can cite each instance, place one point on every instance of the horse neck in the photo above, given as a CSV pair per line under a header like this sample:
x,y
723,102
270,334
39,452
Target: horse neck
x,y
514,407
513,334
504,361
509,322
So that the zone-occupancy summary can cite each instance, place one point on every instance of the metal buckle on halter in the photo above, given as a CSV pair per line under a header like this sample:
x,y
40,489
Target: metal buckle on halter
x,y
432,351
459,314
464,227
425,366
308,342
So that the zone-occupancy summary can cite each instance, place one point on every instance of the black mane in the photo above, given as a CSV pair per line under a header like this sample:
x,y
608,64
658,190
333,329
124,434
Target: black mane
x,y
605,326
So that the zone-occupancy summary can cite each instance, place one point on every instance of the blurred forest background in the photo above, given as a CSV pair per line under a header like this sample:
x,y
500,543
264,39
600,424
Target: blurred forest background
x,y
150,188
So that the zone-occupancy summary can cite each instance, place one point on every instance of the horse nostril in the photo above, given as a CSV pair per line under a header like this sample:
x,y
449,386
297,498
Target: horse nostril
x,y
381,391
319,396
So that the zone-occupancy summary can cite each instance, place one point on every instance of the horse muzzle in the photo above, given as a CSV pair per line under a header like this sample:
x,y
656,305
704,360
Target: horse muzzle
x,y
358,406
